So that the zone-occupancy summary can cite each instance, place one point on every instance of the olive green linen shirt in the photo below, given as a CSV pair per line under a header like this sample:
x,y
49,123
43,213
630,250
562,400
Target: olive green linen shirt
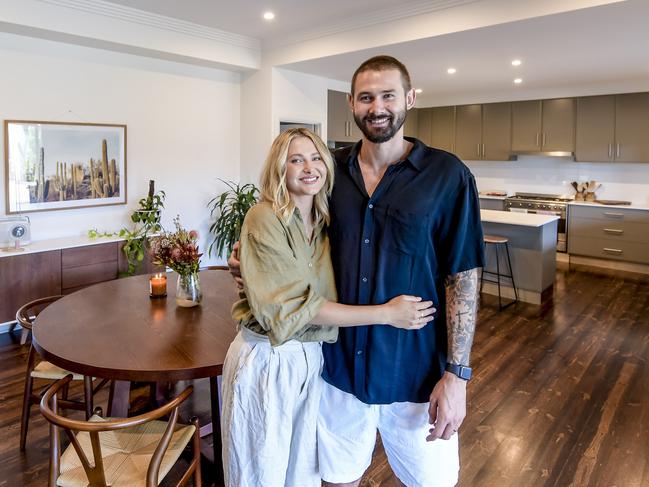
x,y
286,279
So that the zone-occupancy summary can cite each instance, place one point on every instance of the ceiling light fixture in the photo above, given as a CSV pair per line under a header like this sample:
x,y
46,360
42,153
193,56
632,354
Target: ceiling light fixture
x,y
269,15
517,62
518,81
418,90
451,70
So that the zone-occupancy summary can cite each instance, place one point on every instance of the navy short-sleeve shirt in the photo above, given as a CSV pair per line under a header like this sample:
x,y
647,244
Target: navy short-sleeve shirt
x,y
421,225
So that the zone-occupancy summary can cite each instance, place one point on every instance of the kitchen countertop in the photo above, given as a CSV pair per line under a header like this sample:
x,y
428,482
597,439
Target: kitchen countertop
x,y
490,197
516,218
58,244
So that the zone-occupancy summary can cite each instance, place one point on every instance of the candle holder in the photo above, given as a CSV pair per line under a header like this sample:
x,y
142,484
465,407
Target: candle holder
x,y
158,286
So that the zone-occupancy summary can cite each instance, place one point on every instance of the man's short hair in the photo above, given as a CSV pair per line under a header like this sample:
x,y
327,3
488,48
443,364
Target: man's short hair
x,y
384,63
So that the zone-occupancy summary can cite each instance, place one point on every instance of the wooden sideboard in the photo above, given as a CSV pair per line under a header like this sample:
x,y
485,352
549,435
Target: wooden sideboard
x,y
25,277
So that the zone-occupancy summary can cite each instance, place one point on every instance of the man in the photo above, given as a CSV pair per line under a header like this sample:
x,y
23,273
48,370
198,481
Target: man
x,y
404,220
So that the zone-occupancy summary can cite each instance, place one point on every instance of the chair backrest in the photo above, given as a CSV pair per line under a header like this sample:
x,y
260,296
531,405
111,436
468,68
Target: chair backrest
x,y
27,313
95,470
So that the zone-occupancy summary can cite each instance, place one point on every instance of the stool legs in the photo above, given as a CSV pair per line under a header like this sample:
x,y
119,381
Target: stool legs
x,y
499,276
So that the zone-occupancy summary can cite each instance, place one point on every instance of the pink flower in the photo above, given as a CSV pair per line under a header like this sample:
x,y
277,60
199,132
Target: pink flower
x,y
176,253
193,234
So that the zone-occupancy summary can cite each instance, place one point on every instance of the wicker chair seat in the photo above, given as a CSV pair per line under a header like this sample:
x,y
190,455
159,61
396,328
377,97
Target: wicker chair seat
x,y
47,370
126,454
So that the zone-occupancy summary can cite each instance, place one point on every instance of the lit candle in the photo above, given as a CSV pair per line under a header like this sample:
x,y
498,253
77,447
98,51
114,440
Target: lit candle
x,y
158,286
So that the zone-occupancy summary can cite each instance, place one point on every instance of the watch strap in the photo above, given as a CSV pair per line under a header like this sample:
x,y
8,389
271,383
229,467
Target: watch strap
x,y
462,371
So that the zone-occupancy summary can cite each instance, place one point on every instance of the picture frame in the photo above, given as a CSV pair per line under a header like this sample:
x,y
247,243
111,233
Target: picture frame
x,y
63,165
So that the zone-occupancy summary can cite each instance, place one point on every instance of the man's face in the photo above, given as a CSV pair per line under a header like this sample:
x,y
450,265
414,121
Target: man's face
x,y
380,104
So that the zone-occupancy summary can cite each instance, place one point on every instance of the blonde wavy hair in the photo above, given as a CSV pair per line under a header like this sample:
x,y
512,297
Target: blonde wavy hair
x,y
273,176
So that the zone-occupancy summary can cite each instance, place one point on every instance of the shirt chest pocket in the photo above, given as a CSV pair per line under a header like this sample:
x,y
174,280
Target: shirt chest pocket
x,y
406,231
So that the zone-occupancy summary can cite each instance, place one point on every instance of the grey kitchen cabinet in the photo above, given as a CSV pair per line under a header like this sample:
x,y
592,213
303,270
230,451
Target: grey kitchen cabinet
x,y
609,233
543,125
341,126
483,132
632,127
410,126
425,125
468,132
492,204
613,128
595,134
443,128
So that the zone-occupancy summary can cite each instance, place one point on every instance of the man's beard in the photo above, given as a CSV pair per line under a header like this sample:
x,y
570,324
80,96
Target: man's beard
x,y
380,135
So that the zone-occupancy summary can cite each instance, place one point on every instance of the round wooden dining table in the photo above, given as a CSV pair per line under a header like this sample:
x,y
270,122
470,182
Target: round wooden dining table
x,y
114,330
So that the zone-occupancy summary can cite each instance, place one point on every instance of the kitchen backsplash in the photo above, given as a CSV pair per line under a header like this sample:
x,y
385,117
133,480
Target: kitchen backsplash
x,y
534,174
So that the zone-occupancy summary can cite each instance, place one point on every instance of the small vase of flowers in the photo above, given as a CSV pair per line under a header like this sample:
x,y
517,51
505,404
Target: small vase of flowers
x,y
179,251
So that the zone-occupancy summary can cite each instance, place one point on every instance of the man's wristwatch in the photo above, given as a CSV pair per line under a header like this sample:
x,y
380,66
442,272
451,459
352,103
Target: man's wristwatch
x,y
462,371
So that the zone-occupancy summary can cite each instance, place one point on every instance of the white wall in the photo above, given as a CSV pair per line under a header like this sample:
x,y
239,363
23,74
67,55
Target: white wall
x,y
271,95
620,181
182,121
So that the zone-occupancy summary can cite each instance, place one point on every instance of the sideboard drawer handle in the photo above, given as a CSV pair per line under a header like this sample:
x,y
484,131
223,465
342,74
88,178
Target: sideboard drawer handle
x,y
612,251
614,231
614,215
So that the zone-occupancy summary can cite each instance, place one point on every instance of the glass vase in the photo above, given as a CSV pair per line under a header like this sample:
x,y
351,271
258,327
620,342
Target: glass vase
x,y
188,290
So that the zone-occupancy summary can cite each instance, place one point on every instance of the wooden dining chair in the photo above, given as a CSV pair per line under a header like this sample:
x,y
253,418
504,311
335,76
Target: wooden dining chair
x,y
136,451
41,369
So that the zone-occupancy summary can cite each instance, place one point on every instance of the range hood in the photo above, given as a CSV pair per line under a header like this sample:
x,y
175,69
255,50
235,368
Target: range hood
x,y
513,156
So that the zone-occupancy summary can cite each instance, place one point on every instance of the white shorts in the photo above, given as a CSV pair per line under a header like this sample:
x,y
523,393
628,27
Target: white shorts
x,y
347,435
270,408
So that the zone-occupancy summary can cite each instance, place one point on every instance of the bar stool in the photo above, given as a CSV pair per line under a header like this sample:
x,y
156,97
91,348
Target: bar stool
x,y
499,241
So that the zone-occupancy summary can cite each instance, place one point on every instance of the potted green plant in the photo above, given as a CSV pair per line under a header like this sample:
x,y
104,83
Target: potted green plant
x,y
229,209
147,223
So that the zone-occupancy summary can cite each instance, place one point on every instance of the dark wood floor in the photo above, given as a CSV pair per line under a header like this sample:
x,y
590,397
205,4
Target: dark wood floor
x,y
560,395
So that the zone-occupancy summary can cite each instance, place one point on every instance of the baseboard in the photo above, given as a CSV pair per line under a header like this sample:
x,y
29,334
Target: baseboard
x,y
610,264
507,292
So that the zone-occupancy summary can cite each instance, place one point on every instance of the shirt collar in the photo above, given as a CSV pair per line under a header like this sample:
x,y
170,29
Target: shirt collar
x,y
416,157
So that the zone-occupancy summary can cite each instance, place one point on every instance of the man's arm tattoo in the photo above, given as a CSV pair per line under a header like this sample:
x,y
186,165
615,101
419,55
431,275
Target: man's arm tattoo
x,y
461,308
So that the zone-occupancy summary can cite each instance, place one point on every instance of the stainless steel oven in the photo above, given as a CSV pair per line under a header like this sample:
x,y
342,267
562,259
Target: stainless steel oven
x,y
544,204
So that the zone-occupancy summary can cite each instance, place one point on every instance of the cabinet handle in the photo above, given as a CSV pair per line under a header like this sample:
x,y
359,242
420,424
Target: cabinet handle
x,y
613,231
348,129
614,215
483,151
610,151
543,140
617,150
612,251
479,150
537,139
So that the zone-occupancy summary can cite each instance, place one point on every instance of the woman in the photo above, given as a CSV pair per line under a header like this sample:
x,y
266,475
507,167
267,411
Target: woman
x,y
271,375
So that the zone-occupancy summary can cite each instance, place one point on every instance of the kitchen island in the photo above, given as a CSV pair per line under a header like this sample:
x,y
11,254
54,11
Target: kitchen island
x,y
532,248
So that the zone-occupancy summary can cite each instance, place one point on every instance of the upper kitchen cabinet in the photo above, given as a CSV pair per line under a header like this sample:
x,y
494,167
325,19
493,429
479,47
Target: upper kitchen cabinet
x,y
425,125
595,137
613,128
543,125
410,127
632,128
468,132
443,128
341,126
496,131
483,132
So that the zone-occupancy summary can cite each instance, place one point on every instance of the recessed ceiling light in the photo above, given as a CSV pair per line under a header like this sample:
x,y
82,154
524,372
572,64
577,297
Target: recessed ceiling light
x,y
518,81
451,70
517,62
269,15
418,90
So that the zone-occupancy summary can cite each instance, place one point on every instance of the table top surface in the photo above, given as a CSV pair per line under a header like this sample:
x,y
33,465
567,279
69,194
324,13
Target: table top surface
x,y
113,330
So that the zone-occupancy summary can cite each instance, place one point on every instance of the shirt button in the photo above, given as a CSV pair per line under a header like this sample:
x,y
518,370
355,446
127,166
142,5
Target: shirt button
x,y
359,352
310,264
367,240
370,206
364,279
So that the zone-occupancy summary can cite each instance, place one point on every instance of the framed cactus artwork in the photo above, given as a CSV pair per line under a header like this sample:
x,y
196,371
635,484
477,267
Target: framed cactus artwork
x,y
62,165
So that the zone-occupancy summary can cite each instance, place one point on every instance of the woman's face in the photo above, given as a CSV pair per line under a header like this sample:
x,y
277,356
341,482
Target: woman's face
x,y
306,172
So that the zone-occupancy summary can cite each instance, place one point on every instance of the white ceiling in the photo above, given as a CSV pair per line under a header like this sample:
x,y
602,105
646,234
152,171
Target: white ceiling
x,y
245,16
606,45
595,46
